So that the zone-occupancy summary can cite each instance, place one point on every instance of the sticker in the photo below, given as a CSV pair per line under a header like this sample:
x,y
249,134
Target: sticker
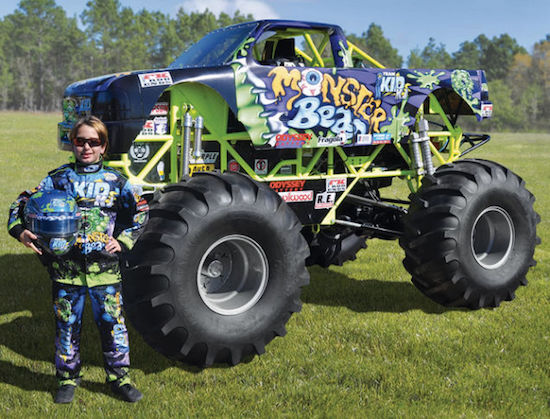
x,y
287,185
297,196
291,140
331,141
364,139
206,157
286,170
155,79
233,166
155,126
160,108
381,138
387,83
325,200
148,129
139,152
194,168
487,110
260,166
337,185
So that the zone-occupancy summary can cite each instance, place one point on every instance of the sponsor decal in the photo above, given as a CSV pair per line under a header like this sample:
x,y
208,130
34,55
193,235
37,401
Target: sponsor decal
x,y
287,185
486,110
156,126
297,196
194,168
388,83
364,139
161,78
139,152
110,176
160,108
325,200
260,166
337,185
291,140
234,166
331,141
286,170
209,157
85,105
381,138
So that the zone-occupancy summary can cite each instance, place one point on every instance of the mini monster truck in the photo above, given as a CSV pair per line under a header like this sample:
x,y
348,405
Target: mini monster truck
x,y
268,145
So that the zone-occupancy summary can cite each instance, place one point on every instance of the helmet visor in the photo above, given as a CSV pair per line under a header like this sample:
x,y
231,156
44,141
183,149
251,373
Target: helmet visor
x,y
54,226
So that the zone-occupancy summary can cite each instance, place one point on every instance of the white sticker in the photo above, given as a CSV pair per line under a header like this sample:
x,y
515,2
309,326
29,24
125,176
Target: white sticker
x,y
155,79
325,200
337,185
297,196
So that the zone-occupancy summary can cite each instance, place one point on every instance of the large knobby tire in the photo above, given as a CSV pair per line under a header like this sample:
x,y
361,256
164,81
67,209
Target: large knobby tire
x,y
470,234
217,271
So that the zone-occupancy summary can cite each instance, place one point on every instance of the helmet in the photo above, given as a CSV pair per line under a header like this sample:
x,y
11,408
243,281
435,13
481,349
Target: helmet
x,y
55,219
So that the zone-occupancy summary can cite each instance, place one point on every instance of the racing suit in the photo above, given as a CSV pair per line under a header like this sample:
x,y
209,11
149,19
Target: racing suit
x,y
109,207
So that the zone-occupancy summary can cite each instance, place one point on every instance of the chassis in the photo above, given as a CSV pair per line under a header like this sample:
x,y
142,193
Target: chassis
x,y
268,145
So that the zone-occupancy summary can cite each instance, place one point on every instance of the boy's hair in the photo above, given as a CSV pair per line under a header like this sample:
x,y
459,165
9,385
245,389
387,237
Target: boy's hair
x,y
95,123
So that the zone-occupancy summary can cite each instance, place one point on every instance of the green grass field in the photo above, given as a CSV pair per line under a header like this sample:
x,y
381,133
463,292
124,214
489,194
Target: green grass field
x,y
366,344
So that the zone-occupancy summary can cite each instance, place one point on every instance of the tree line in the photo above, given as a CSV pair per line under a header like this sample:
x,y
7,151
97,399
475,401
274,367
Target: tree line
x,y
42,50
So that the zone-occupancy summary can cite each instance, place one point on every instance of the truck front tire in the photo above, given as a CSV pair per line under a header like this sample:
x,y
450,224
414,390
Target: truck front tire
x,y
217,271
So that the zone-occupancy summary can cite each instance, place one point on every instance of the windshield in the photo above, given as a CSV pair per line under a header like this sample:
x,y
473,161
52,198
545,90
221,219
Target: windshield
x,y
215,48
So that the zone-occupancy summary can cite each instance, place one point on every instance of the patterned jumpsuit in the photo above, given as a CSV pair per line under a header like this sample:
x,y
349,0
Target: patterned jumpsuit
x,y
109,207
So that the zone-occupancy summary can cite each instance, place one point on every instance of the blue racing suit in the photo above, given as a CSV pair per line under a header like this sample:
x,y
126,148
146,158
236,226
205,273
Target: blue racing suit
x,y
110,208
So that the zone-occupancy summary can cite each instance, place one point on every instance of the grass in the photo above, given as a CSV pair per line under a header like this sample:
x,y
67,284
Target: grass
x,y
366,344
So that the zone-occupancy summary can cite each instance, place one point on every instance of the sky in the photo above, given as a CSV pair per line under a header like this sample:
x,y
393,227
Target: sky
x,y
407,24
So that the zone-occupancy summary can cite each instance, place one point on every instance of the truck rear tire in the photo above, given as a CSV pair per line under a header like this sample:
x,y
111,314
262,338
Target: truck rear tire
x,y
217,271
470,234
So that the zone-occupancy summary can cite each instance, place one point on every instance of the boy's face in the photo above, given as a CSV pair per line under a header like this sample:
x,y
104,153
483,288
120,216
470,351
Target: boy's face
x,y
88,153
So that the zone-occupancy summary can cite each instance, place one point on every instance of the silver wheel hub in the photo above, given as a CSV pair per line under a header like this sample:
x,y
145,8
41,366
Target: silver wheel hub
x,y
232,275
493,237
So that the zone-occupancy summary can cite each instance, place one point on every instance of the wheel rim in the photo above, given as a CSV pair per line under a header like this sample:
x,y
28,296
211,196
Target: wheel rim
x,y
493,237
232,274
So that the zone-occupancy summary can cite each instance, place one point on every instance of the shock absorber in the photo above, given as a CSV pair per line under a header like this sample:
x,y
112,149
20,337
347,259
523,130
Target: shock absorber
x,y
197,154
187,124
425,146
417,156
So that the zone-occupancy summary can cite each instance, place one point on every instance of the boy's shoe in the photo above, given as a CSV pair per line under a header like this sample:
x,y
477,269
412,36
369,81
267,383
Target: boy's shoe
x,y
127,392
65,393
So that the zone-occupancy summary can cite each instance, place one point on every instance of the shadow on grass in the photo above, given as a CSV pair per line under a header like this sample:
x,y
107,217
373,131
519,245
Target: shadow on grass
x,y
331,288
25,295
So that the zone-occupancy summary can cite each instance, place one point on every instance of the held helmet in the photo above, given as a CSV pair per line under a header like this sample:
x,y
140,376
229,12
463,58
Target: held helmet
x,y
55,219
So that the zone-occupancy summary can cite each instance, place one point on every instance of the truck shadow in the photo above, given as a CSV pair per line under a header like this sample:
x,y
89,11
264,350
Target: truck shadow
x,y
330,288
27,325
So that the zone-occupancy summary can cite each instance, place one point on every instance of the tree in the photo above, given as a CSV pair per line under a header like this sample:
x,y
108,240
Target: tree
x,y
467,56
432,56
497,55
376,45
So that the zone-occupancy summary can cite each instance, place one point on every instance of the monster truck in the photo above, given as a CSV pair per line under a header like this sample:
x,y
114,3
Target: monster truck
x,y
268,145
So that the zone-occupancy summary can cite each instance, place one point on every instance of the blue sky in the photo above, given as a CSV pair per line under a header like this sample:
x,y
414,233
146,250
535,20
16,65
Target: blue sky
x,y
407,24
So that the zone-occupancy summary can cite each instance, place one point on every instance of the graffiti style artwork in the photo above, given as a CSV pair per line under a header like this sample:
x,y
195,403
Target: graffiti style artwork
x,y
297,106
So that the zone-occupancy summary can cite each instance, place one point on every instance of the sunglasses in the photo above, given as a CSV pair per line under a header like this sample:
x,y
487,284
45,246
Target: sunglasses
x,y
92,142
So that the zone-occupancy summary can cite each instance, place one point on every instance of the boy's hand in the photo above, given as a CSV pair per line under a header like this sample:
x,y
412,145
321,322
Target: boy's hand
x,y
113,245
27,237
